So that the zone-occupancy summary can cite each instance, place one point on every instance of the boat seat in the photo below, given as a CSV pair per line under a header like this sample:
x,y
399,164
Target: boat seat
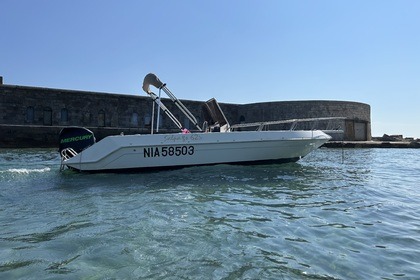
x,y
214,115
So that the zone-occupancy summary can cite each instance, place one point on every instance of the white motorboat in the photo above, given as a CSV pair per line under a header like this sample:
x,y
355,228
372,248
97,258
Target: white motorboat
x,y
216,142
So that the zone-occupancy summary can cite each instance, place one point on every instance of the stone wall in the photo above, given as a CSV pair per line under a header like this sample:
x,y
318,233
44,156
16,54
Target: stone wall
x,y
269,111
33,116
43,106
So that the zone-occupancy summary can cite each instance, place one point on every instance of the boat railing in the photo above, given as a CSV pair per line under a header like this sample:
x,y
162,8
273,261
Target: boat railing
x,y
215,120
65,155
260,126
152,79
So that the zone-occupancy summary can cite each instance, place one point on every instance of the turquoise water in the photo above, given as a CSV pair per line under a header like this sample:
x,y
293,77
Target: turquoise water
x,y
336,214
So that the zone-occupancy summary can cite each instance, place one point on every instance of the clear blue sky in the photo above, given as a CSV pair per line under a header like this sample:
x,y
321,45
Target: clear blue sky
x,y
237,51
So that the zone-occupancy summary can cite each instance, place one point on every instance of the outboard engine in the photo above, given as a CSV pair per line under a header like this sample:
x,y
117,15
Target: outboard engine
x,y
75,138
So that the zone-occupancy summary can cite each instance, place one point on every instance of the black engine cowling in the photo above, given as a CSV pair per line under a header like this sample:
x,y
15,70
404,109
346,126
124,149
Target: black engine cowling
x,y
77,138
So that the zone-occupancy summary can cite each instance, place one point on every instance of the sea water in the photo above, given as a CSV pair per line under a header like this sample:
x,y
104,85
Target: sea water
x,y
336,214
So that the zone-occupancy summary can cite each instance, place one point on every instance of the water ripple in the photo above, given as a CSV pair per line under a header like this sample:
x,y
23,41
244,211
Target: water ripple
x,y
48,235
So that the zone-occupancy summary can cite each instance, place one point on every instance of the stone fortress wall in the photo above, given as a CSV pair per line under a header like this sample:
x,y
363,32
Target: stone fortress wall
x,y
33,116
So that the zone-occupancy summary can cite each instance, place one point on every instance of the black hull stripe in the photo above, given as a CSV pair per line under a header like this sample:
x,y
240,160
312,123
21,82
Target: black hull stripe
x,y
159,168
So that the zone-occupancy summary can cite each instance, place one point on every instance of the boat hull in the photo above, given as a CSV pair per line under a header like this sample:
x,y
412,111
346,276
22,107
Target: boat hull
x,y
117,153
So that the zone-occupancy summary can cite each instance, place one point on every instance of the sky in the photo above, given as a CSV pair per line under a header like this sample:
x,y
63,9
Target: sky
x,y
238,51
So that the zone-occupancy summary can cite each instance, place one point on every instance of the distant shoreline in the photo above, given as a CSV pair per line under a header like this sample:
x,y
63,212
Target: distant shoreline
x,y
372,144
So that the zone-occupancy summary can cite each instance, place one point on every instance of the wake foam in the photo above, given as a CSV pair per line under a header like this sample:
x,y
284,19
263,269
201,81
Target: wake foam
x,y
27,170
